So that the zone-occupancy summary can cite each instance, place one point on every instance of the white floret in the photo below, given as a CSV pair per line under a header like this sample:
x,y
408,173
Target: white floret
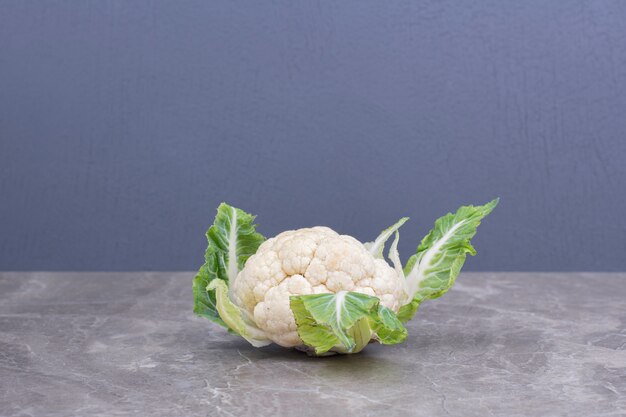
x,y
309,261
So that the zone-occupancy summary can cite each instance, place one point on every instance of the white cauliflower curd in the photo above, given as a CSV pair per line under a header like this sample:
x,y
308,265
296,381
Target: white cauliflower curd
x,y
315,260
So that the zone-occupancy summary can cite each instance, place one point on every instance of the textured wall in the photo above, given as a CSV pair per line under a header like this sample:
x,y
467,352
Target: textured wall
x,y
124,124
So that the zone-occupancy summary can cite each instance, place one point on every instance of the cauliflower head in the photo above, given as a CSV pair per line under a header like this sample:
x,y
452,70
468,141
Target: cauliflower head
x,y
322,292
313,260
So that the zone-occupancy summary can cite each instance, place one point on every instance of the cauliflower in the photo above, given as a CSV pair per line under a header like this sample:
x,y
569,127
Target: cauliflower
x,y
322,292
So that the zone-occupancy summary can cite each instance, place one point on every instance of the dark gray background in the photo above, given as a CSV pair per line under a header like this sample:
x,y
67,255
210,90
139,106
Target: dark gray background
x,y
124,124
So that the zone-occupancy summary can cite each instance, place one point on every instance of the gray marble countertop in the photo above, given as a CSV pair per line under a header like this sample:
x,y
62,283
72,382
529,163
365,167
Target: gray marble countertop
x,y
502,344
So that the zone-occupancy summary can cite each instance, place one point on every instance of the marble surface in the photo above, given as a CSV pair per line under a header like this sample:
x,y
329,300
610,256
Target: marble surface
x,y
498,344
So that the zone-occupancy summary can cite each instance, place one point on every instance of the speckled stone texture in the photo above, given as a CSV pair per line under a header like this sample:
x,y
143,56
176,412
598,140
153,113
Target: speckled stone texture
x,y
501,344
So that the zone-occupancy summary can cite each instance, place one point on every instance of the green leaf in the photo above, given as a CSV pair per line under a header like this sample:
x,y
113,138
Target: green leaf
x,y
440,256
233,316
388,329
344,322
232,239
204,303
320,337
407,311
377,247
